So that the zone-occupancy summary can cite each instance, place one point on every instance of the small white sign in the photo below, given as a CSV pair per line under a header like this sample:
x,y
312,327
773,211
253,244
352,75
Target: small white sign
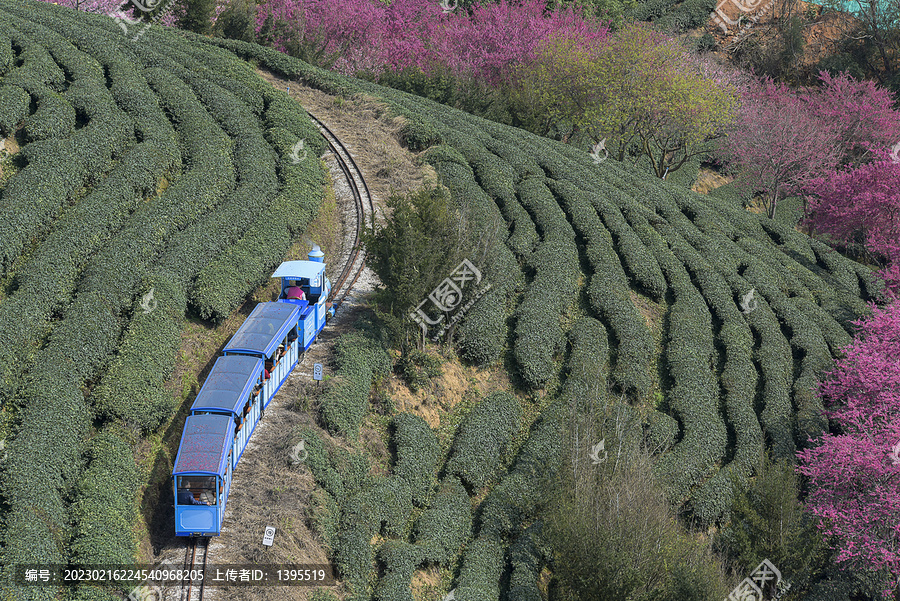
x,y
317,371
269,536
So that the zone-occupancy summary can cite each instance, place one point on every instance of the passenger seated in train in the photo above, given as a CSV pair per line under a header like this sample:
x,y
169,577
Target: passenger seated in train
x,y
279,353
186,498
258,387
267,369
201,487
292,336
294,293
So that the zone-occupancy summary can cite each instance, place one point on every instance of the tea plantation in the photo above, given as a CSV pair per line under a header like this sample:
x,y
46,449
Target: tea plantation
x,y
162,165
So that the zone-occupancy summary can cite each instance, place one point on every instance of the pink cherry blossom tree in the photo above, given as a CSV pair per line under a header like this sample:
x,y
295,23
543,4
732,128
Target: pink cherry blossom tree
x,y
777,144
854,476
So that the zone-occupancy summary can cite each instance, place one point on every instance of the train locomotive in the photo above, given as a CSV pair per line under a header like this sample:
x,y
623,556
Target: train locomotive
x,y
243,381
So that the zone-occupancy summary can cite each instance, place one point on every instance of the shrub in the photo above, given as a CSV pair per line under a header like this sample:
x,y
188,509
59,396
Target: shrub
x,y
103,506
418,453
482,437
345,402
446,524
400,559
14,105
482,565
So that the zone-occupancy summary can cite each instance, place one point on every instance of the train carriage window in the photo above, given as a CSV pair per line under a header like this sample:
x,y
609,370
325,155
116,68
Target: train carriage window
x,y
194,490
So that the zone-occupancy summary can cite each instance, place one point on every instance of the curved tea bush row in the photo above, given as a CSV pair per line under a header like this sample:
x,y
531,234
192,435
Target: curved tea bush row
x,y
539,333
636,258
694,390
482,437
224,282
481,334
14,105
418,454
54,118
345,403
103,509
482,566
588,366
37,67
496,178
445,526
57,167
400,559
738,379
7,56
608,293
526,558
522,492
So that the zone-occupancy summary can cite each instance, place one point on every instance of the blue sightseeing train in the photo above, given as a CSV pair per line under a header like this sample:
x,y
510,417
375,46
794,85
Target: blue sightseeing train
x,y
254,364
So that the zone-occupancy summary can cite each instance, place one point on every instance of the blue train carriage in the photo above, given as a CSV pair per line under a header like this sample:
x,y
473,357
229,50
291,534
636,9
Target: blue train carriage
x,y
202,474
234,388
304,284
271,334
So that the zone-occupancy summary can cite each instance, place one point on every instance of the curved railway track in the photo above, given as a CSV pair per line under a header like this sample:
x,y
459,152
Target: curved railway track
x,y
365,209
197,548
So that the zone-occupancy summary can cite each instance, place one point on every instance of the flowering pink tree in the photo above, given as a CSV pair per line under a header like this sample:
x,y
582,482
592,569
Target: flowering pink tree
x,y
862,112
366,35
855,475
862,202
777,144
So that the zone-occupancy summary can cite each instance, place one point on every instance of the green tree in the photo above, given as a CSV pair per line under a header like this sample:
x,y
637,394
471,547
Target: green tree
x,y
769,522
237,21
418,246
641,92
196,15
612,530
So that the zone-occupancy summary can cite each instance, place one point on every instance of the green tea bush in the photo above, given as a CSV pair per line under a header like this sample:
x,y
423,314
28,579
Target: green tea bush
x,y
539,334
588,366
345,403
608,294
482,437
54,118
103,506
14,105
482,565
418,453
694,393
446,524
527,556
400,559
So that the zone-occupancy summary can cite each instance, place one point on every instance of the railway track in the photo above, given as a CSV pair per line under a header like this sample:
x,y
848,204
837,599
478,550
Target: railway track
x,y
197,548
195,560
365,209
